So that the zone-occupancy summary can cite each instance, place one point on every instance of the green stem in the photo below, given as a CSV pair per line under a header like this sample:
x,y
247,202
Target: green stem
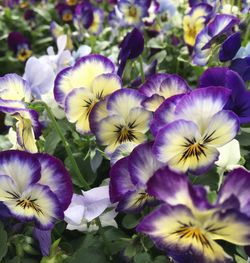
x,y
67,148
141,69
75,167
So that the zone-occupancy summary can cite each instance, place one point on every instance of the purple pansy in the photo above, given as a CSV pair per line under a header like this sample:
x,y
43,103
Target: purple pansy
x,y
230,47
221,24
186,226
129,176
195,126
119,119
128,49
239,101
33,193
20,45
159,87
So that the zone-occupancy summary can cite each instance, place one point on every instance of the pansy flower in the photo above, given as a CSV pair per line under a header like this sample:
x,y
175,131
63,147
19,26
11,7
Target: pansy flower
x,y
129,176
31,187
120,119
159,87
199,125
65,11
14,87
230,47
221,24
84,15
20,45
85,208
128,49
28,127
133,10
195,21
239,101
97,23
186,226
80,87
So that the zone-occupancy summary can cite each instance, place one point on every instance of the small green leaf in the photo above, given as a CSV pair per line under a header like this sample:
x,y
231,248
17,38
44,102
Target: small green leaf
x,y
130,221
142,258
239,259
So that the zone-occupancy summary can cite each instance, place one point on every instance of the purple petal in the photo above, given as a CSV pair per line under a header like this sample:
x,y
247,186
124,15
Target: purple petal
x,y
174,189
44,239
152,84
120,181
142,164
54,174
164,114
237,184
230,47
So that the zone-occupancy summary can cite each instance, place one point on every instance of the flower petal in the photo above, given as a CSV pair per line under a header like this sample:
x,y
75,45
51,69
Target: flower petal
x,y
201,104
120,181
237,184
54,174
106,84
142,164
10,163
123,100
222,128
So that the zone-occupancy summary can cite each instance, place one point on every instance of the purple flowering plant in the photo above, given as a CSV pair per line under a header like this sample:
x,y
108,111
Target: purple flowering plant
x,y
124,131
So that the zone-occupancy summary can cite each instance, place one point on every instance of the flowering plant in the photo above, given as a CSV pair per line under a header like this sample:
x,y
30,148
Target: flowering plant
x,y
124,131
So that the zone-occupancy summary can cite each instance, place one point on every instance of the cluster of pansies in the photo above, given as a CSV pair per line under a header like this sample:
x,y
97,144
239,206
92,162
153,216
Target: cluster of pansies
x,y
124,133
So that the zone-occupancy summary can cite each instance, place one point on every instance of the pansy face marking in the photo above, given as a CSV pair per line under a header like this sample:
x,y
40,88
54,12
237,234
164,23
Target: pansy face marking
x,y
199,126
125,133
31,187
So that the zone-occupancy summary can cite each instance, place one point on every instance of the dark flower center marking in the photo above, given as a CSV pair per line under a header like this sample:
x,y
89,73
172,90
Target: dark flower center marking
x,y
125,133
89,105
193,149
25,203
192,31
67,16
142,198
196,149
29,203
132,11
187,231
24,54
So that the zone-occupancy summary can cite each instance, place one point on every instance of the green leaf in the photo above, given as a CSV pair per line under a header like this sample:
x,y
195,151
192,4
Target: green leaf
x,y
90,251
239,259
51,141
130,251
212,196
3,241
142,258
85,168
130,221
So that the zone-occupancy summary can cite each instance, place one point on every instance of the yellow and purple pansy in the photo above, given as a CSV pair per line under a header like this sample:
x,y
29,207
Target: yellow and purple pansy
x,y
192,127
80,87
187,226
28,127
120,119
195,21
33,193
219,25
161,86
129,177
133,11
